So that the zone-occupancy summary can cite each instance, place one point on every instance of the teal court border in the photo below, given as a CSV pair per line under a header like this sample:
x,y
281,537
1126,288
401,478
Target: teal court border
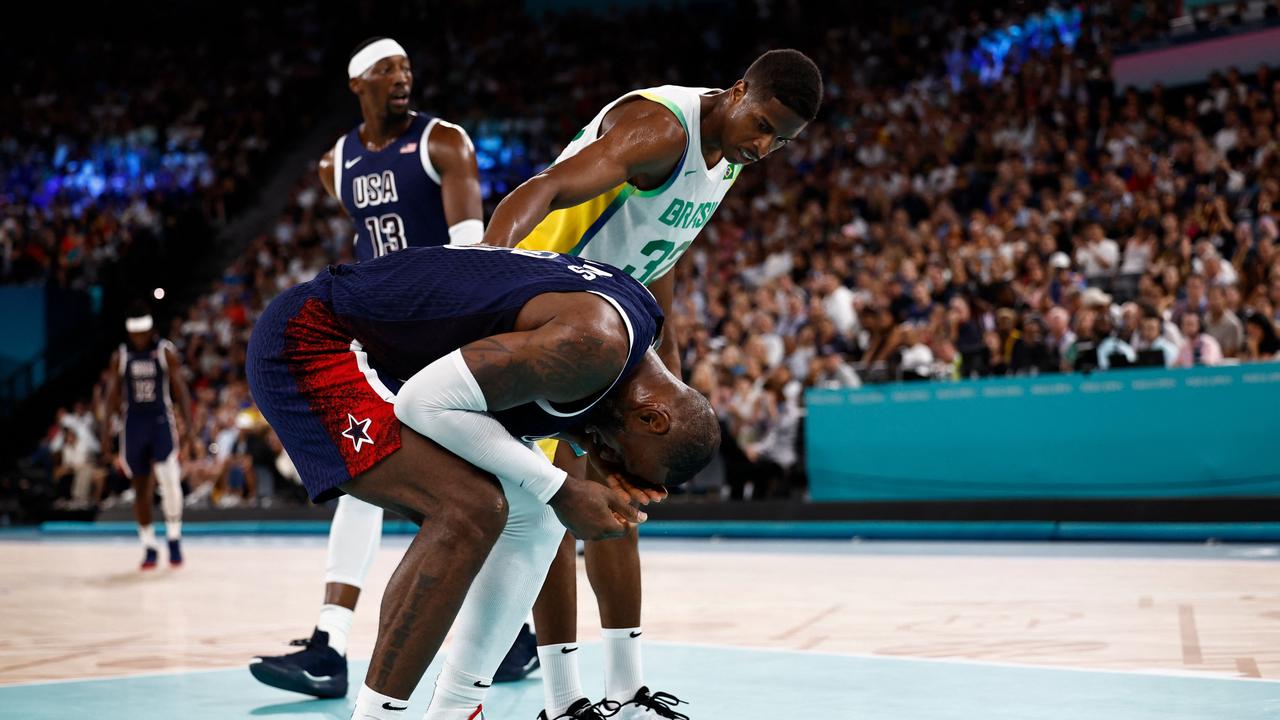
x,y
811,530
722,683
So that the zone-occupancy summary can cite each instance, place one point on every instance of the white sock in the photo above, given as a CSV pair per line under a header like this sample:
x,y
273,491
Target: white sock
x,y
172,529
561,682
458,695
336,620
372,705
623,670
147,534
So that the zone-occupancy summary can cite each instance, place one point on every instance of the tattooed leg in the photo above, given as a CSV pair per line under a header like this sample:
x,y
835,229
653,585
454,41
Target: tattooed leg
x,y
460,512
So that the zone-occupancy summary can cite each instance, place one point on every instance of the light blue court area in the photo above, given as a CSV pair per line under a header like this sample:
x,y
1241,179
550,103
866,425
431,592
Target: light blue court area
x,y
724,684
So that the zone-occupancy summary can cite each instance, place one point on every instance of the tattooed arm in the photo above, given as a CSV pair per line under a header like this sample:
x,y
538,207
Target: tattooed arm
x,y
572,356
564,356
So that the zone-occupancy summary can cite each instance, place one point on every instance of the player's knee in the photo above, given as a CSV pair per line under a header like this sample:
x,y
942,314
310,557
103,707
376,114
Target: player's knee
x,y
480,513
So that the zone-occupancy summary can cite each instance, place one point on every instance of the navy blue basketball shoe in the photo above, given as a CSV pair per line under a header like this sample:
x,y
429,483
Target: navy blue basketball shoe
x,y
521,659
317,669
175,553
150,559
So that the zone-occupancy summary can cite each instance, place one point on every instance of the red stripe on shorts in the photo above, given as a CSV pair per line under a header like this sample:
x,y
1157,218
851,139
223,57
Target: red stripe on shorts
x,y
361,424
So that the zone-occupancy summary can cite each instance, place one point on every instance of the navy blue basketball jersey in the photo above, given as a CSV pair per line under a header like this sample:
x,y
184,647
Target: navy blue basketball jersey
x,y
393,195
423,304
145,375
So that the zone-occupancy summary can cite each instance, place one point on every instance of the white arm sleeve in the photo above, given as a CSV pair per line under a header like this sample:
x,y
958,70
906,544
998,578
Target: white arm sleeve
x,y
444,402
467,232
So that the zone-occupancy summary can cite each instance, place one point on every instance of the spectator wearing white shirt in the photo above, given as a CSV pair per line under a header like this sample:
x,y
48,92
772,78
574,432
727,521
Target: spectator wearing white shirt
x,y
1138,253
917,357
1098,256
1109,345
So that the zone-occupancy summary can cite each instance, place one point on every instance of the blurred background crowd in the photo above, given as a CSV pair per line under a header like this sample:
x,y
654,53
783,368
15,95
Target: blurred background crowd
x,y
973,201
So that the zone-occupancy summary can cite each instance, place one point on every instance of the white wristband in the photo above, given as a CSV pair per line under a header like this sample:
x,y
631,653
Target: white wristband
x,y
444,402
467,232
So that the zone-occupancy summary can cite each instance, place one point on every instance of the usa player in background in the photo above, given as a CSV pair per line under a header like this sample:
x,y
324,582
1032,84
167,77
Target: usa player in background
x,y
405,178
146,378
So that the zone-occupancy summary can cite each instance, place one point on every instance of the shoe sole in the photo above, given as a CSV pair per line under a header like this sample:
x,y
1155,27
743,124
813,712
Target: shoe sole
x,y
295,680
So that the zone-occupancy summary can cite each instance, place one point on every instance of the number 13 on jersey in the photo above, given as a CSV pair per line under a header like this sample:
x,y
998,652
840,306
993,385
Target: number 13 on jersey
x,y
387,233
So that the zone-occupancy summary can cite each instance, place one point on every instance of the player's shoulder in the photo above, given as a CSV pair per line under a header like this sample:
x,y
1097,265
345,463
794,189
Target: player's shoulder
x,y
450,133
645,117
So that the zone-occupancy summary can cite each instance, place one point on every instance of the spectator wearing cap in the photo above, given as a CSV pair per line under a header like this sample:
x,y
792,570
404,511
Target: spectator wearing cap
x,y
1063,280
1222,324
1198,348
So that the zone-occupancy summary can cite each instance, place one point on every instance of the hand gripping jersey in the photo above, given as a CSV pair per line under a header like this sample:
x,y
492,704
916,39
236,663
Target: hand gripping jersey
x,y
327,356
393,195
643,232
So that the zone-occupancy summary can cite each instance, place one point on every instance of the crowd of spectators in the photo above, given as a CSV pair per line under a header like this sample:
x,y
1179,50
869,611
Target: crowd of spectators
x,y
921,229
105,144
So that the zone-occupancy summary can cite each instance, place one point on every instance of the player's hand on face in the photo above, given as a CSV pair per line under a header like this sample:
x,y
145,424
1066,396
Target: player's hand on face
x,y
592,511
640,493
612,475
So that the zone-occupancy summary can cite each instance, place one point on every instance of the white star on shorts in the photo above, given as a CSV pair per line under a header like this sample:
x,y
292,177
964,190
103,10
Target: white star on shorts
x,y
358,431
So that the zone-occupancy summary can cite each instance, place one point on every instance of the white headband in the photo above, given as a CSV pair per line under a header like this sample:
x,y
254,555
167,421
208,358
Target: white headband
x,y
139,324
372,53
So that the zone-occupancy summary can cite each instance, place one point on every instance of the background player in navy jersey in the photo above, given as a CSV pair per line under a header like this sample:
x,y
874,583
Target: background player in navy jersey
x,y
499,346
405,178
146,379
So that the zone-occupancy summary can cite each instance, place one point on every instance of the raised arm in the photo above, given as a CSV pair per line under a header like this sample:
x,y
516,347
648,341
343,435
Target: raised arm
x,y
644,140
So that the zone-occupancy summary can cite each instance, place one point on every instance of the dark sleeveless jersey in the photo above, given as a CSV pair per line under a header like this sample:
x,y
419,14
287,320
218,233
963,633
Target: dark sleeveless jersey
x,y
424,303
393,195
145,376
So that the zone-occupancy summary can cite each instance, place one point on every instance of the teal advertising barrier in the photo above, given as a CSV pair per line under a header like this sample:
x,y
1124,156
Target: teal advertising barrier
x,y
1200,432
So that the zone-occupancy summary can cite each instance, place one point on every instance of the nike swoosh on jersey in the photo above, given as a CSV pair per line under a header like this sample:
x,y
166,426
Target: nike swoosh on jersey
x,y
351,163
